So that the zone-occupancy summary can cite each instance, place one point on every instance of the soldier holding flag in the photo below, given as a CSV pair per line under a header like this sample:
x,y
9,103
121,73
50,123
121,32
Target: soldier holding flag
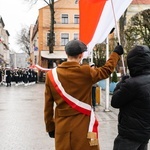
x,y
74,125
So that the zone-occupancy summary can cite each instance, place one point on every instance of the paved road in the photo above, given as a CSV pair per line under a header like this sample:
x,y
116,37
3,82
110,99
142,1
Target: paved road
x,y
22,123
21,114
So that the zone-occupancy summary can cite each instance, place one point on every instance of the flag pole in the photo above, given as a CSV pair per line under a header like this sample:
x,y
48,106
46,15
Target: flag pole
x,y
107,80
118,35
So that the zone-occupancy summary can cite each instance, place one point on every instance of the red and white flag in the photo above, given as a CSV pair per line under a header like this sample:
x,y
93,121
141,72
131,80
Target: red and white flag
x,y
97,19
39,68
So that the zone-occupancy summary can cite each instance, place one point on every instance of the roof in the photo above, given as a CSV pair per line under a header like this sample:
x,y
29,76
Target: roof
x,y
141,2
54,55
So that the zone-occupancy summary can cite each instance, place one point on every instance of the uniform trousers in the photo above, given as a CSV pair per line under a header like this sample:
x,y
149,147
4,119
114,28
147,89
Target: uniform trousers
x,y
94,97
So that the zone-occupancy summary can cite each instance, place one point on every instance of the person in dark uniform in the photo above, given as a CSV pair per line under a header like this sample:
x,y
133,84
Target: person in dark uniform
x,y
8,77
25,77
16,76
94,91
0,76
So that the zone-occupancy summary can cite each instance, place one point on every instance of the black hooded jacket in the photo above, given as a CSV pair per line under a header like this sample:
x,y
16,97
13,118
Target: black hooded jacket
x,y
132,96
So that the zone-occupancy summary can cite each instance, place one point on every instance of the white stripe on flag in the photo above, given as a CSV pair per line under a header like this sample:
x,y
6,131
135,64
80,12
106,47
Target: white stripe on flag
x,y
107,20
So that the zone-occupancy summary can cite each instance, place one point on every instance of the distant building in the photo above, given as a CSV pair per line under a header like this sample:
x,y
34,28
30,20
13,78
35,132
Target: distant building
x,y
4,48
137,6
66,28
34,50
19,60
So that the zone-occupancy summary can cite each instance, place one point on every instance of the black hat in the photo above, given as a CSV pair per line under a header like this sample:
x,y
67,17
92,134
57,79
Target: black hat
x,y
75,47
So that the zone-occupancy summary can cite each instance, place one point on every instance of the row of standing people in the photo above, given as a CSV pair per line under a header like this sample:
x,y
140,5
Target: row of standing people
x,y
18,76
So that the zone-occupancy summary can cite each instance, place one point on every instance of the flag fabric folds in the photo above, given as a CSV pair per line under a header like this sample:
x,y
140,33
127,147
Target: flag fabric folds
x,y
39,68
97,19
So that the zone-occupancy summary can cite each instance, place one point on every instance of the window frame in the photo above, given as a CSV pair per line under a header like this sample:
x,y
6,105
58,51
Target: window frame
x,y
64,39
76,36
64,18
76,18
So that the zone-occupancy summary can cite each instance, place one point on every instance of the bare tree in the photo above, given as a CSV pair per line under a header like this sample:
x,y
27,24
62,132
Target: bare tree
x,y
99,57
122,22
138,30
23,39
50,3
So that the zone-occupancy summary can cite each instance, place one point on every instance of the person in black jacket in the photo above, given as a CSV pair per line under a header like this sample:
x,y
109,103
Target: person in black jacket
x,y
132,97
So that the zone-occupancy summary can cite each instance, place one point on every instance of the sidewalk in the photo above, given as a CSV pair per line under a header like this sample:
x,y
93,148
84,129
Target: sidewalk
x,y
107,124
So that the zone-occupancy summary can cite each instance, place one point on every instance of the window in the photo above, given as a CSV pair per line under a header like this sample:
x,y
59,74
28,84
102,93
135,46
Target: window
x,y
76,19
64,38
76,1
76,36
35,59
64,18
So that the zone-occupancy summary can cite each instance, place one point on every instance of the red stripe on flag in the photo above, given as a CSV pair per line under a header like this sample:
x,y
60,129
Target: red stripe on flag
x,y
88,9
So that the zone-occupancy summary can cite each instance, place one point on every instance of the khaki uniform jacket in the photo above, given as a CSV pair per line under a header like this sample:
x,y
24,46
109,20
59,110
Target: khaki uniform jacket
x,y
71,127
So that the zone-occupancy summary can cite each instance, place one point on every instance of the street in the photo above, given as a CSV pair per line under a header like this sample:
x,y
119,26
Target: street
x,y
22,122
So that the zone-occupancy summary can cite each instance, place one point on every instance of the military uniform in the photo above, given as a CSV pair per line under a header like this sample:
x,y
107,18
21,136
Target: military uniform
x,y
8,77
71,126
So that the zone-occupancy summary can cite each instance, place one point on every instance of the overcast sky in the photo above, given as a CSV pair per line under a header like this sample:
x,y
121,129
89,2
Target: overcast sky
x,y
17,14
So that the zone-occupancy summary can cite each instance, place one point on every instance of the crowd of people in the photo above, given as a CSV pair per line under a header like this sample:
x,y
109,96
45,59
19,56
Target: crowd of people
x,y
18,76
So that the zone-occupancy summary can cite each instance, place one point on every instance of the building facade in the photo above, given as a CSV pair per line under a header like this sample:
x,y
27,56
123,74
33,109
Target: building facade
x,y
18,60
137,6
66,28
4,42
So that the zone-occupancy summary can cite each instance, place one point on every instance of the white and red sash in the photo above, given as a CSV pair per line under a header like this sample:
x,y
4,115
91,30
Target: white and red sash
x,y
77,105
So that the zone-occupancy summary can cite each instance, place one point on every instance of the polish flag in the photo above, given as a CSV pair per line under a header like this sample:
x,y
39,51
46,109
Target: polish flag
x,y
39,68
97,18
